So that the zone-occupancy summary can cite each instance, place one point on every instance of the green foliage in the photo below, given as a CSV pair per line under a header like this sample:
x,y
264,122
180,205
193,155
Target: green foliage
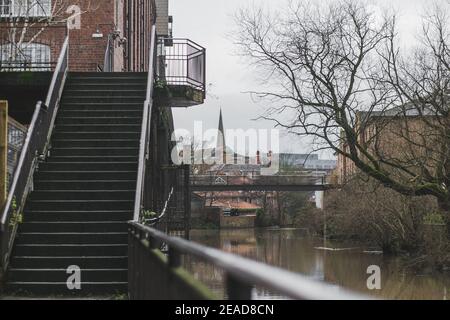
x,y
434,218
148,215
264,220
160,84
16,217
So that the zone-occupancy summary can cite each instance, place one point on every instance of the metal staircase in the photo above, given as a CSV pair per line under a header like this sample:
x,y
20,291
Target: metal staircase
x,y
84,193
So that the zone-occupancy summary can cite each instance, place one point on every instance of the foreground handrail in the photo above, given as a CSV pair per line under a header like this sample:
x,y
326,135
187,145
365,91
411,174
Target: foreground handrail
x,y
145,130
244,272
35,146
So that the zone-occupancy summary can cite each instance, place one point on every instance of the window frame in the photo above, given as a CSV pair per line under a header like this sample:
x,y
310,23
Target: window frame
x,y
33,9
35,54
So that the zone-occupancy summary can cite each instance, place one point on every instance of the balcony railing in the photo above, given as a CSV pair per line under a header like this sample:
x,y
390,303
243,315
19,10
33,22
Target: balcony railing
x,y
182,67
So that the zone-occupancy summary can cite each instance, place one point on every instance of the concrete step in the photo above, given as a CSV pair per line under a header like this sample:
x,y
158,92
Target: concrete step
x,y
94,143
102,106
121,92
80,205
88,166
115,85
91,159
60,288
47,175
72,238
87,185
60,135
100,113
101,128
76,216
75,226
103,99
61,275
99,120
100,262
99,151
82,195
64,250
107,75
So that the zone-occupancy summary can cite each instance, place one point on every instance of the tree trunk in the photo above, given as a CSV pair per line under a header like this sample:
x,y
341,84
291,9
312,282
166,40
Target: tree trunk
x,y
280,210
444,207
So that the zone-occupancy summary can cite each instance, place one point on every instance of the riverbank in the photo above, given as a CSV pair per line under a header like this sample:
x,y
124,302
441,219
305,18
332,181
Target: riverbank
x,y
345,264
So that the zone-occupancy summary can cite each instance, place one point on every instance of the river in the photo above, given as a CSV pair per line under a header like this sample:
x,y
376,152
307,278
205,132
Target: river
x,y
344,266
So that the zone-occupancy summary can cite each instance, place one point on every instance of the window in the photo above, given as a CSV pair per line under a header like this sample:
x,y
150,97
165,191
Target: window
x,y
34,56
25,8
5,7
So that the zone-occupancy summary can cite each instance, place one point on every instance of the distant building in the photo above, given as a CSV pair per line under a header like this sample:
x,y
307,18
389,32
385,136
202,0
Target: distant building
x,y
401,134
306,162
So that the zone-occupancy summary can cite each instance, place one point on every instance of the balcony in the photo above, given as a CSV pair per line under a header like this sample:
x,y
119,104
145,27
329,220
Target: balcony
x,y
181,73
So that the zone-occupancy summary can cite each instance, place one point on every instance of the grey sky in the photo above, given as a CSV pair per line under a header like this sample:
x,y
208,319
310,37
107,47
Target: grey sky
x,y
208,22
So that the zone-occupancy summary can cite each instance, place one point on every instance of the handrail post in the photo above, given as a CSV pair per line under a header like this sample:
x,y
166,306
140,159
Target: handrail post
x,y
237,290
3,151
174,258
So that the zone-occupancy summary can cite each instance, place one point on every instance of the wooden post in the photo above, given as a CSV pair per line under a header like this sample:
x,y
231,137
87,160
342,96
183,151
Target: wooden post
x,y
3,151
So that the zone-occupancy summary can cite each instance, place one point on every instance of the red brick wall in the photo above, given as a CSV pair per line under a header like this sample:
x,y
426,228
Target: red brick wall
x,y
86,52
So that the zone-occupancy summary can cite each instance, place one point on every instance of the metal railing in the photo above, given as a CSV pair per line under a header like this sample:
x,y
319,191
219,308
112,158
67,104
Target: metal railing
x,y
242,274
34,149
16,138
246,180
19,66
182,63
144,147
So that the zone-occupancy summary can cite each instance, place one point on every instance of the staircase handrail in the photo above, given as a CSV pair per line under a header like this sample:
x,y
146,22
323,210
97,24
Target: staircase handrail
x,y
35,148
146,129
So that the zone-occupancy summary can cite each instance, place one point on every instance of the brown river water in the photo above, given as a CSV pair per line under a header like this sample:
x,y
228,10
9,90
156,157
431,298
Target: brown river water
x,y
293,249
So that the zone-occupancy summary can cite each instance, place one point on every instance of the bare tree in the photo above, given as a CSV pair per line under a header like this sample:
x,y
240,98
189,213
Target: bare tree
x,y
336,73
24,21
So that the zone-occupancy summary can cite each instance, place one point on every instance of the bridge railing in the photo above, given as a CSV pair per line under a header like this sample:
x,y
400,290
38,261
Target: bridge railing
x,y
275,180
242,274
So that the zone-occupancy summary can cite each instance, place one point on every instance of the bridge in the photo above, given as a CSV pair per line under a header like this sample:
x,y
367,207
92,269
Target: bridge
x,y
90,173
306,182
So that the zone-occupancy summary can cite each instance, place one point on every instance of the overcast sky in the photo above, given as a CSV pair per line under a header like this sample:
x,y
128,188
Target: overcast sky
x,y
209,23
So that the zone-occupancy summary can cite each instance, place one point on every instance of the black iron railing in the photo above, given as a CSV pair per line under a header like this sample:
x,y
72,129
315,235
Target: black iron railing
x,y
34,148
18,66
16,138
144,147
242,274
182,62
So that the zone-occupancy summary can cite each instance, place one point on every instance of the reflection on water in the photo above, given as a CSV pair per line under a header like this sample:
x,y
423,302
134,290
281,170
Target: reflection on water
x,y
294,250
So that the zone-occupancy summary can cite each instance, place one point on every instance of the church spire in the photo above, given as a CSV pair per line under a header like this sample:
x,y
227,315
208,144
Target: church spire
x,y
221,143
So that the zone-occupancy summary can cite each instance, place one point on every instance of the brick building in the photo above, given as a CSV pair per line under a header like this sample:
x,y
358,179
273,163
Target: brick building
x,y
107,35
401,136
